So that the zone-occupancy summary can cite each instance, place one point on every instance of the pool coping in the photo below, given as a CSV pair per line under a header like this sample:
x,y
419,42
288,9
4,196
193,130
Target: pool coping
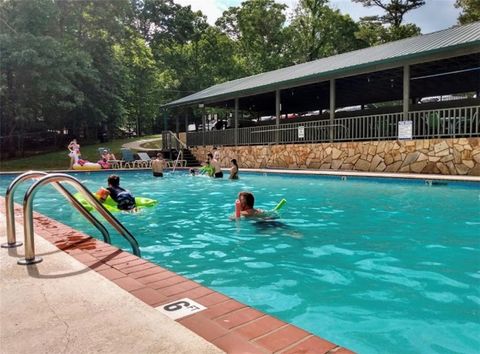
x,y
226,323
309,172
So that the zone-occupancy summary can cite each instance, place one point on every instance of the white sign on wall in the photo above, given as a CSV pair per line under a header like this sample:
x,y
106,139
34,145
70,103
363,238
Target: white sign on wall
x,y
405,129
301,132
180,308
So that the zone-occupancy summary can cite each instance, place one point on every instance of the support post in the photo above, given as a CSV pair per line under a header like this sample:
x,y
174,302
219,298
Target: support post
x,y
165,120
235,118
332,108
406,91
177,131
186,127
204,123
277,115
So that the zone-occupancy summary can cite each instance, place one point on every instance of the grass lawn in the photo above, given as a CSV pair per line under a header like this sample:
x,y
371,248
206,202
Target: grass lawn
x,y
59,160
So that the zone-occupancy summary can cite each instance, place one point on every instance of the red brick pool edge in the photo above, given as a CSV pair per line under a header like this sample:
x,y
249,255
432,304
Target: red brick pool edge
x,y
228,324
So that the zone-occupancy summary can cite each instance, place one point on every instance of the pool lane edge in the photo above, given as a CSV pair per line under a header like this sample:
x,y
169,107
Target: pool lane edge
x,y
228,324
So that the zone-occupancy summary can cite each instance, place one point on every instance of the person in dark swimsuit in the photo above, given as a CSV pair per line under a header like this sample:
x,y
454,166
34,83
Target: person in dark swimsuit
x,y
124,199
234,169
157,165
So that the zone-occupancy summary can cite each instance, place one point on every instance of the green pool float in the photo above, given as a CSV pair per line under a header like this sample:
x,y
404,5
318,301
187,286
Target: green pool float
x,y
111,205
280,205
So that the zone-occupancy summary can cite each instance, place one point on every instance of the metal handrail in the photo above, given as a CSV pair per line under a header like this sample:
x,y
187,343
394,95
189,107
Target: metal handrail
x,y
176,161
10,214
28,214
325,126
182,144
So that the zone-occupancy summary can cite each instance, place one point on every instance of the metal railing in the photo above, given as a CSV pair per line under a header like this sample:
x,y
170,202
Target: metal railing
x,y
175,164
55,180
170,141
447,122
10,214
433,123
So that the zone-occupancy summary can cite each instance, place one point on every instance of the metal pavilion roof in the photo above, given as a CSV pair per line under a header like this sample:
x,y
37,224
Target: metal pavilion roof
x,y
393,52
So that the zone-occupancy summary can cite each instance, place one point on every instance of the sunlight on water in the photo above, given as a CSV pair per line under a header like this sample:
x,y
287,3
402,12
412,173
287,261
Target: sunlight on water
x,y
373,265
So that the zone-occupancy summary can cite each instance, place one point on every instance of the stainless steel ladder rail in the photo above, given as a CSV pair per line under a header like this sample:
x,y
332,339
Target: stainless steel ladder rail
x,y
10,214
176,161
179,143
30,257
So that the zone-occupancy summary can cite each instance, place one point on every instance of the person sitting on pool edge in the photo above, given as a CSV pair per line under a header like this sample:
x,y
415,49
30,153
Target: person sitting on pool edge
x,y
247,202
124,199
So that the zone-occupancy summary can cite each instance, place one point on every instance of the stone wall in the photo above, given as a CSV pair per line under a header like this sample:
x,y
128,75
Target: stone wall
x,y
437,156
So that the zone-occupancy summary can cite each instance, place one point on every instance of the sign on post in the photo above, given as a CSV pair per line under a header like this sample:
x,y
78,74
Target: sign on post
x,y
405,129
301,132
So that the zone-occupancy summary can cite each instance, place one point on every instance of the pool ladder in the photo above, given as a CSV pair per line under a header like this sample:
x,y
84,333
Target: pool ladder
x,y
54,179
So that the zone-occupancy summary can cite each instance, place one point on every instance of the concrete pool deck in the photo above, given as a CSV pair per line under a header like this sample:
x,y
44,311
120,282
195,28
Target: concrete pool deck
x,y
61,306
88,296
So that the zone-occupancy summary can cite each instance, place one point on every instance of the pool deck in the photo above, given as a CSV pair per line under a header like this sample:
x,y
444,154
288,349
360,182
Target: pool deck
x,y
331,173
359,174
88,296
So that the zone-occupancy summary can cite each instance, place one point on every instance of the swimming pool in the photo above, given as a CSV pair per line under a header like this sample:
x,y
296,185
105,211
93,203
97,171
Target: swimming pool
x,y
373,265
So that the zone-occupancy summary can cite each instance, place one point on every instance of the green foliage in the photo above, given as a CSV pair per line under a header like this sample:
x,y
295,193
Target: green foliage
x,y
374,33
258,27
394,9
141,78
470,11
318,31
374,30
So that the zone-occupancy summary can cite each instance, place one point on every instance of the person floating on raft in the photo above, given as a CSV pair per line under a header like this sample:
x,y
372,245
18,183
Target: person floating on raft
x,y
124,198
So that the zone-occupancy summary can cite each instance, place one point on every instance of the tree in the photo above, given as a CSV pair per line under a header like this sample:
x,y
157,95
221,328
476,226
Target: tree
x,y
39,73
470,11
389,27
141,80
258,27
58,64
318,31
163,21
395,9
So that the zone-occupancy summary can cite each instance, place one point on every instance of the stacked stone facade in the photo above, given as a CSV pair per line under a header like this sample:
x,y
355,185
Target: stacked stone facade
x,y
436,156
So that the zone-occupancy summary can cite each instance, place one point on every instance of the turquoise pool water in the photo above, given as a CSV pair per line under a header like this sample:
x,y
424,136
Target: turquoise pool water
x,y
377,266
